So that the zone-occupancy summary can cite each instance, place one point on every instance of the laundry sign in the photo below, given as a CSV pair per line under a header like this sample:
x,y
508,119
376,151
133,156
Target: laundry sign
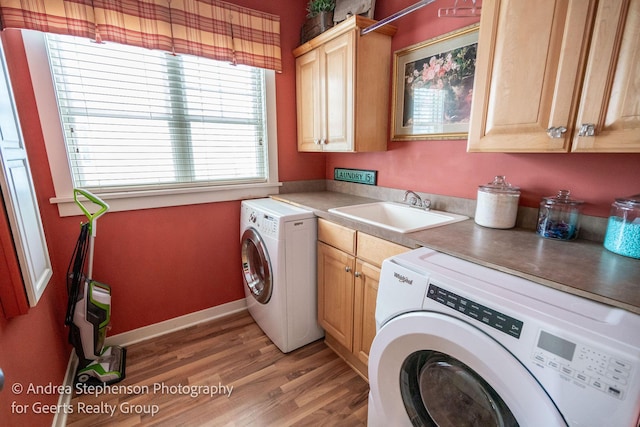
x,y
358,176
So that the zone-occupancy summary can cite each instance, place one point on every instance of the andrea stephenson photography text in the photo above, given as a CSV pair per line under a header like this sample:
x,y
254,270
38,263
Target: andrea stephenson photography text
x,y
111,409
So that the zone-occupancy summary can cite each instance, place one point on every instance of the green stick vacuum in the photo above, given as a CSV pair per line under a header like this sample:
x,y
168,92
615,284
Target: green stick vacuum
x,y
89,307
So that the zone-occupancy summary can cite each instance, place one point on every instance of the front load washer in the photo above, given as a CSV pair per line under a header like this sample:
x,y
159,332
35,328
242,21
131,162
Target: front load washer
x,y
459,344
278,242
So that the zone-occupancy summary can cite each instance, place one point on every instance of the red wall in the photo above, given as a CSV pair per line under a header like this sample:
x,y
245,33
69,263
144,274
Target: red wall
x,y
168,262
160,263
33,347
444,167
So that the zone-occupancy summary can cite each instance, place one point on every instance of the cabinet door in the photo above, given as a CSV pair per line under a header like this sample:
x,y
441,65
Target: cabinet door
x,y
335,293
610,100
308,101
338,92
18,195
366,292
530,55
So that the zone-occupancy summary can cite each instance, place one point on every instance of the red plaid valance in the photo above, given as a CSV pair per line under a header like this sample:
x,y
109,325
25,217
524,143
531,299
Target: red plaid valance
x,y
209,28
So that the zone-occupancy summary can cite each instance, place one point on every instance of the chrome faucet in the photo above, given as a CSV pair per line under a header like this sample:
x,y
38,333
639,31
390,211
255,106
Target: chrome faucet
x,y
416,201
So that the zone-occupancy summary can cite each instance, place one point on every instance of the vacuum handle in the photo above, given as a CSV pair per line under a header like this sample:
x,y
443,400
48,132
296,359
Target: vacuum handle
x,y
104,207
93,219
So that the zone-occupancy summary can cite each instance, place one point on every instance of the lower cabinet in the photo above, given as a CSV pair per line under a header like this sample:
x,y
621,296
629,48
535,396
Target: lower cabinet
x,y
336,294
349,264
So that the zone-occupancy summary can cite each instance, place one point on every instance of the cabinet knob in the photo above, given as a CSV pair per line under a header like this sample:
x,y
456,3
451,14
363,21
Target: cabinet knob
x,y
347,269
316,141
323,141
357,274
587,129
556,132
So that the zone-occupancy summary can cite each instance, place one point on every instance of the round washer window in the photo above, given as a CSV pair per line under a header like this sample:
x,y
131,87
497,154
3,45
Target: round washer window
x,y
256,266
439,390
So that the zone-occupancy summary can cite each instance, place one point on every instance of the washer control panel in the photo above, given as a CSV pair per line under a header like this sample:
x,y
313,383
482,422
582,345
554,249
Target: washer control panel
x,y
586,365
266,224
479,312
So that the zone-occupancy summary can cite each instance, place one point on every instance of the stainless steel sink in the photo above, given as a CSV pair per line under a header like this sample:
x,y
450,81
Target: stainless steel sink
x,y
397,217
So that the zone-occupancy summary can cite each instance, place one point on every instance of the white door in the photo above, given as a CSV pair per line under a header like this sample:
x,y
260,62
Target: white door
x,y
430,369
19,196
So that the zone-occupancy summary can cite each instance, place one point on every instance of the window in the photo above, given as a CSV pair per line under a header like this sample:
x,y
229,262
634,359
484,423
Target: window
x,y
137,122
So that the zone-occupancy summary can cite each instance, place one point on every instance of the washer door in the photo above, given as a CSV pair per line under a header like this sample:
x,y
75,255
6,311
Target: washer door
x,y
431,369
256,266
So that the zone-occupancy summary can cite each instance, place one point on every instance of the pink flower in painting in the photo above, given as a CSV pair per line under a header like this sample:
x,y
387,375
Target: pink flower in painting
x,y
451,74
428,73
448,62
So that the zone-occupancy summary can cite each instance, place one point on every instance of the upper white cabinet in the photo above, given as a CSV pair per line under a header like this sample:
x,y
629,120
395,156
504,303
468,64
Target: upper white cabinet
x,y
546,68
27,239
342,88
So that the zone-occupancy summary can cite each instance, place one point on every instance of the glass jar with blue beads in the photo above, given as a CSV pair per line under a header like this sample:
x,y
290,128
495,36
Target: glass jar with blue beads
x,y
559,216
623,228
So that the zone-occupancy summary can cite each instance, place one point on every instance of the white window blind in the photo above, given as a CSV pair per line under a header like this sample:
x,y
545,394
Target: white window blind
x,y
137,118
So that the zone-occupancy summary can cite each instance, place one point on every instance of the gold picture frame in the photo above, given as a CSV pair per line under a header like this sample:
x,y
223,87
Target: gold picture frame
x,y
433,87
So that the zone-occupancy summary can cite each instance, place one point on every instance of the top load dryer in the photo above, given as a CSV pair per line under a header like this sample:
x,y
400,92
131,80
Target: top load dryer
x,y
278,244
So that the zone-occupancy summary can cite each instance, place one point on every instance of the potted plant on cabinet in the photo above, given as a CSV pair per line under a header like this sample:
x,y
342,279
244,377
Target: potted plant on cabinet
x,y
319,18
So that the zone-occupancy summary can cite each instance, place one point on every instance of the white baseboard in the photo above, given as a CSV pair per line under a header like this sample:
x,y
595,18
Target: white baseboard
x,y
141,334
175,324
60,419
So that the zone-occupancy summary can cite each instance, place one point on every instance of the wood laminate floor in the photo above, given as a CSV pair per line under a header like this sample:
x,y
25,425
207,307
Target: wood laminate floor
x,y
227,373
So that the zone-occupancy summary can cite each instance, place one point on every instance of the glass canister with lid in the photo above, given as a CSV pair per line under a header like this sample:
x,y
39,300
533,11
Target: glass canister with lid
x,y
623,229
559,216
497,204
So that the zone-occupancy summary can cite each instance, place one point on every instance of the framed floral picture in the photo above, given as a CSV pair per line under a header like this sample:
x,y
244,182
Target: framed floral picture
x,y
433,87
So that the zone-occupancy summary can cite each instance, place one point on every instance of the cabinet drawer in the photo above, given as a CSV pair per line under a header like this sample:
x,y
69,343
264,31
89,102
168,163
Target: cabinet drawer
x,y
337,236
375,250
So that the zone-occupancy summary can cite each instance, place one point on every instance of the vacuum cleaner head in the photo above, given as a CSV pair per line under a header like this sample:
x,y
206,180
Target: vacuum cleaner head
x,y
109,368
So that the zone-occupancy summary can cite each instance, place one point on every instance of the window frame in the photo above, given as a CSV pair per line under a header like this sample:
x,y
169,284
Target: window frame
x,y
35,48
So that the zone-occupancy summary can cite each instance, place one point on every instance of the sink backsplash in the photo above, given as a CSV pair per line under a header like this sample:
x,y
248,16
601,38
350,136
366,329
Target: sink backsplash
x,y
592,228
